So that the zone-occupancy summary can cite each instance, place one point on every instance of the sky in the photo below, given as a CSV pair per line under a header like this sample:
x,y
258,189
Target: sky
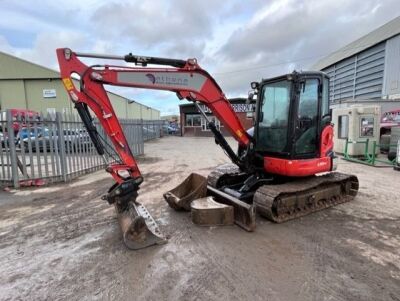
x,y
236,41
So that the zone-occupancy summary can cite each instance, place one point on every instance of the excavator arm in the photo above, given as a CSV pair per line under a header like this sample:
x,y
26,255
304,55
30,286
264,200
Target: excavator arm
x,y
186,78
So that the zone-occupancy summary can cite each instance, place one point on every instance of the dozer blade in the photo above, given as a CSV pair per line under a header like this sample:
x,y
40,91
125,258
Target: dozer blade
x,y
139,229
244,214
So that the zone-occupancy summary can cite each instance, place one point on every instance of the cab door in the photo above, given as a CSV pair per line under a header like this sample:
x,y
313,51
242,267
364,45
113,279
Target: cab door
x,y
307,125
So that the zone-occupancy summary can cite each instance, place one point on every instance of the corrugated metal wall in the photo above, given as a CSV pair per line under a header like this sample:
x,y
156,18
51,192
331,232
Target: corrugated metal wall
x,y
391,84
359,76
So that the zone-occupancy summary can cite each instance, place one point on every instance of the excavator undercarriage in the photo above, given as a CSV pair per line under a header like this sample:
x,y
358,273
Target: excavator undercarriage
x,y
283,202
280,201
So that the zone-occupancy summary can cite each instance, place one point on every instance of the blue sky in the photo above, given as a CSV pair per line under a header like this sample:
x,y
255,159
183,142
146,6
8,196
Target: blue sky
x,y
236,41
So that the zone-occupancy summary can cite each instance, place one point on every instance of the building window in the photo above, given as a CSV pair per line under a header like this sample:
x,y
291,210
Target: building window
x,y
193,120
204,126
343,127
367,127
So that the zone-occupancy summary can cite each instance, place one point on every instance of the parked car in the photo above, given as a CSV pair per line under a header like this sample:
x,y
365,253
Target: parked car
x,y
75,140
24,133
20,117
170,130
27,137
148,132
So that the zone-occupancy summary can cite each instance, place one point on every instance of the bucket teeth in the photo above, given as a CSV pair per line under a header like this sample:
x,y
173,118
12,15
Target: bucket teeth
x,y
139,229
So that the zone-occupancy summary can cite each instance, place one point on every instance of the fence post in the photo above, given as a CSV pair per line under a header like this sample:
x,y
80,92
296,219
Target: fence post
x,y
373,153
141,137
61,146
366,152
346,155
13,151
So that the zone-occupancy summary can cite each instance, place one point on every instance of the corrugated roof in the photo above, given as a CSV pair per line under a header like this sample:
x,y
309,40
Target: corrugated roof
x,y
380,34
12,67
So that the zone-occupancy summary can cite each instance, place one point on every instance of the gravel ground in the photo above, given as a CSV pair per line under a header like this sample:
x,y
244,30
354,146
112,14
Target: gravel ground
x,y
62,242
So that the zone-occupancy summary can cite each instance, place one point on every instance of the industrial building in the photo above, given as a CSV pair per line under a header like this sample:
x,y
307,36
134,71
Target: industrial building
x,y
25,85
193,124
366,71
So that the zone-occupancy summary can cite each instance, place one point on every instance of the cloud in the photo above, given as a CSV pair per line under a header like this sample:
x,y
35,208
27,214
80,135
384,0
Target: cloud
x,y
176,28
286,34
45,44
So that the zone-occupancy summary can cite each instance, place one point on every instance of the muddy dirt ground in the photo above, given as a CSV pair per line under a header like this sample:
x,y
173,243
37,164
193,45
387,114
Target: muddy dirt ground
x,y
62,242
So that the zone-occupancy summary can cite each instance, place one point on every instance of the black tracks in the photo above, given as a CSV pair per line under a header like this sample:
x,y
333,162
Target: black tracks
x,y
284,202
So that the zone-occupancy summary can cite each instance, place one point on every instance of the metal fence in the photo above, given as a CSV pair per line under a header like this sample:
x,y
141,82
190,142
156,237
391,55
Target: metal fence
x,y
42,149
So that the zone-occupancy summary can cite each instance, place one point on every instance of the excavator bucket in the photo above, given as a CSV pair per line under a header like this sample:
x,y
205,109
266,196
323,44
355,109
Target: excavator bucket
x,y
139,229
195,187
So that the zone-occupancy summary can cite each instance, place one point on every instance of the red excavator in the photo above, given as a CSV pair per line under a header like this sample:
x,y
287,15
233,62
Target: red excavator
x,y
274,171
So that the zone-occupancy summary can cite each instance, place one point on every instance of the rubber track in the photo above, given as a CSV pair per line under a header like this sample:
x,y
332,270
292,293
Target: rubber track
x,y
225,170
271,200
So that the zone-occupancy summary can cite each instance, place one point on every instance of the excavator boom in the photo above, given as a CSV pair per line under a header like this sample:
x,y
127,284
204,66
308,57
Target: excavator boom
x,y
186,78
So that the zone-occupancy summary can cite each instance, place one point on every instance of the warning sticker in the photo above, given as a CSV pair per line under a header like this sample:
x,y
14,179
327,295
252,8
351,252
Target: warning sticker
x,y
68,84
239,133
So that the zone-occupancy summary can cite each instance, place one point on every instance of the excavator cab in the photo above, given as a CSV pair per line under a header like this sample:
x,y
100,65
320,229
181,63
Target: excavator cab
x,y
292,111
